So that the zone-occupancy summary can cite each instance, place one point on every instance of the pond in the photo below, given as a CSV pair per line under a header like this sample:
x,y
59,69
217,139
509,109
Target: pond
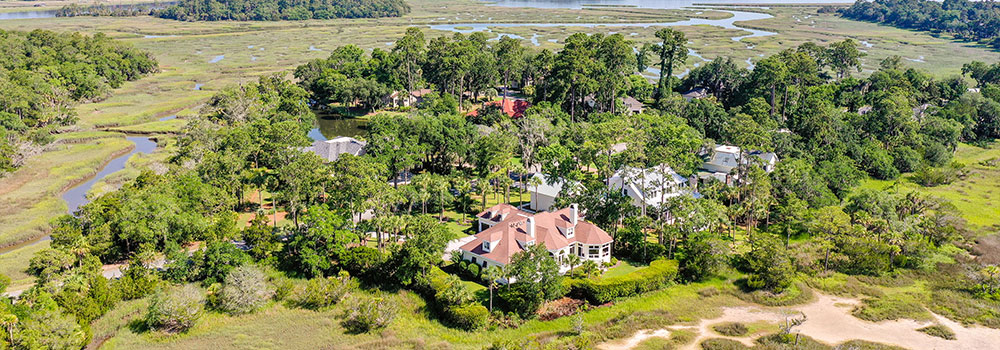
x,y
330,126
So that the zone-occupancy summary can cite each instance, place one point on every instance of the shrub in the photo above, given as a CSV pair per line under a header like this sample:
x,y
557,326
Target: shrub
x,y
732,329
892,307
930,177
175,309
362,262
369,314
521,298
137,281
658,274
473,270
283,287
722,344
321,293
245,290
469,316
938,331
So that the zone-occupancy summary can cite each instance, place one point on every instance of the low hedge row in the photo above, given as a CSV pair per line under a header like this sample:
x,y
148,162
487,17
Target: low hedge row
x,y
659,274
468,316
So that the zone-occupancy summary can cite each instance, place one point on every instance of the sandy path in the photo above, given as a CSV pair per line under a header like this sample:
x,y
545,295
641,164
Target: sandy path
x,y
829,320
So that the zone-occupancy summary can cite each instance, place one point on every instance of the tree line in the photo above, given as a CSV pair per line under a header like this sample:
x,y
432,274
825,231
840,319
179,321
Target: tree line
x,y
966,20
273,10
44,74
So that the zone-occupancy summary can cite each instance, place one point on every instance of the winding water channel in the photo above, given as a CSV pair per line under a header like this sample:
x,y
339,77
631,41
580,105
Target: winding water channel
x,y
76,196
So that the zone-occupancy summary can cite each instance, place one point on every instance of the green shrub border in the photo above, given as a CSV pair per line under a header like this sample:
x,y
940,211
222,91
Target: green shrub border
x,y
659,274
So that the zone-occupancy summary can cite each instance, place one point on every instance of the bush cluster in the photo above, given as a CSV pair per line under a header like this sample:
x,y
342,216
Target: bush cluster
x,y
659,274
321,293
454,301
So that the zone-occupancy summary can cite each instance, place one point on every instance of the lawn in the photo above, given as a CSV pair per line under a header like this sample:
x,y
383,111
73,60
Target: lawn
x,y
623,268
977,196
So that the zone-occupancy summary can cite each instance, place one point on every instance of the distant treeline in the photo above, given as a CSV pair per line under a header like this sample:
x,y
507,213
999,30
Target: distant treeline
x,y
274,10
44,74
126,10
967,20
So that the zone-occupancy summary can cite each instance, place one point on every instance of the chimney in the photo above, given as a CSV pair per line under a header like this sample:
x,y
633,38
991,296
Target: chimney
x,y
530,227
574,213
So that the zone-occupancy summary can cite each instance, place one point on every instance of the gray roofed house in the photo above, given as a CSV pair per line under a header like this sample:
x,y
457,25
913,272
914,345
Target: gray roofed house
x,y
632,105
651,186
696,93
330,150
544,196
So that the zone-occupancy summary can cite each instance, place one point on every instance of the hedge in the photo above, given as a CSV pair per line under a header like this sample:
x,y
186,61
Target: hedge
x,y
659,274
469,316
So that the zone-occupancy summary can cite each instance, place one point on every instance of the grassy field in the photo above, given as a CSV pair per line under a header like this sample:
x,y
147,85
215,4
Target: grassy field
x,y
977,196
279,327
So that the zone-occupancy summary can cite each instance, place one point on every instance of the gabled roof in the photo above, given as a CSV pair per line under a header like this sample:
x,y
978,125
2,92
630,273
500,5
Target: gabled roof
x,y
653,183
546,188
512,108
510,235
500,212
632,104
331,150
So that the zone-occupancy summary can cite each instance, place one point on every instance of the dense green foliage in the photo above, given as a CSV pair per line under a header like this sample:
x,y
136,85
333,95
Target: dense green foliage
x,y
968,20
659,274
350,218
272,10
43,74
176,309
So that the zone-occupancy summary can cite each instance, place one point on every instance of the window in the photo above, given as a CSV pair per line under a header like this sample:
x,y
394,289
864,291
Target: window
x,y
486,245
594,252
484,263
474,260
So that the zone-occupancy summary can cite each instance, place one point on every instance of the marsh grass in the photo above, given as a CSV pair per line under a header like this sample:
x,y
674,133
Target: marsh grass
x,y
939,331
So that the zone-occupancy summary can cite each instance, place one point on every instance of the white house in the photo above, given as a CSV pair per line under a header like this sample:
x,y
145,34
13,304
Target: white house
x,y
725,158
650,186
544,196
563,233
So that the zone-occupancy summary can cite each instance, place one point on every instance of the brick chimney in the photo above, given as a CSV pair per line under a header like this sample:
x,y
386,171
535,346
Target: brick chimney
x,y
574,213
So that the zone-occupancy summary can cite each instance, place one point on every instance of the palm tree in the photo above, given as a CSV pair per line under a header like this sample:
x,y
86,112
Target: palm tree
x,y
491,275
573,260
535,181
10,322
463,186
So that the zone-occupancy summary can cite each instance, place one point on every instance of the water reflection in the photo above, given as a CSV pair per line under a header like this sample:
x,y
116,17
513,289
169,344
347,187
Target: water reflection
x,y
330,126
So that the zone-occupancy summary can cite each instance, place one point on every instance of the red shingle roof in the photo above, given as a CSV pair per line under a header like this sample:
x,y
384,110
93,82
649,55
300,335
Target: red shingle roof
x,y
508,235
512,108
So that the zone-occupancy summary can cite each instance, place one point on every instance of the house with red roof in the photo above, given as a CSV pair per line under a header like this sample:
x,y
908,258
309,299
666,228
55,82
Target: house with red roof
x,y
563,233
512,108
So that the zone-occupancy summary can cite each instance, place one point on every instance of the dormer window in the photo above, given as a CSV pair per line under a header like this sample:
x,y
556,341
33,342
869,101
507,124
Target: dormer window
x,y
486,245
570,231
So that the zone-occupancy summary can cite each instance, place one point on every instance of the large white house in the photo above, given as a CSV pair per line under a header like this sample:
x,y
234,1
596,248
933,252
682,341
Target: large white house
x,y
650,186
725,158
563,233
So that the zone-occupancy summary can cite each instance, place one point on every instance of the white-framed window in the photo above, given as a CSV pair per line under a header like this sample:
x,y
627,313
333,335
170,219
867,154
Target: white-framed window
x,y
486,245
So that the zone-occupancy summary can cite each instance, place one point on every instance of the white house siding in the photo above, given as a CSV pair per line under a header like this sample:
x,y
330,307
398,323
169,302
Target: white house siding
x,y
541,202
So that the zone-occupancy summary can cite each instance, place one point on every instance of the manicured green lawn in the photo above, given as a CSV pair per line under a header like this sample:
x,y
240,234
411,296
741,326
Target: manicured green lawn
x,y
623,268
